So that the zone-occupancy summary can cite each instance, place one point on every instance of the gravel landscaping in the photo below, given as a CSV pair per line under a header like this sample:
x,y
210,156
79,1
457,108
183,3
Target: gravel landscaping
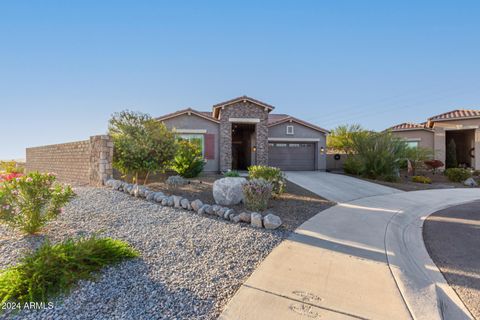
x,y
190,266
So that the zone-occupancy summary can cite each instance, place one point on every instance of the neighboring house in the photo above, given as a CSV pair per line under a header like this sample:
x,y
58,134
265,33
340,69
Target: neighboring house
x,y
461,126
241,132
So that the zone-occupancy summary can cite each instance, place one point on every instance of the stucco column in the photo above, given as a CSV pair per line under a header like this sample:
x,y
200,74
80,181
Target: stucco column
x,y
439,144
476,161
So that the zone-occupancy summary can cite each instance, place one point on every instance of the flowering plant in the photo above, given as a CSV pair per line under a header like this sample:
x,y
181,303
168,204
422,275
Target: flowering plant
x,y
28,202
257,193
9,176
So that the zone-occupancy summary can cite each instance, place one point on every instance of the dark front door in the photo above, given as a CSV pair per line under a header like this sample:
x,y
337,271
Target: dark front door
x,y
242,135
292,156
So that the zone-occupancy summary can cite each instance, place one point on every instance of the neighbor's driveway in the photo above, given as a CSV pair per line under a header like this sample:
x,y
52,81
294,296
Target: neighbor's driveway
x,y
337,187
364,259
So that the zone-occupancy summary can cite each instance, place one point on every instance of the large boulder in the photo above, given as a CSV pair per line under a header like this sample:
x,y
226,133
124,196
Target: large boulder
x,y
271,221
228,191
470,182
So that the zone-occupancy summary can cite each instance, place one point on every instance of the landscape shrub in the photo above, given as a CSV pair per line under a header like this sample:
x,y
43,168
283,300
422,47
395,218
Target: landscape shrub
x,y
379,153
188,161
353,165
340,138
28,202
257,193
142,145
476,173
232,174
418,156
10,167
457,174
434,165
9,176
422,179
271,174
53,269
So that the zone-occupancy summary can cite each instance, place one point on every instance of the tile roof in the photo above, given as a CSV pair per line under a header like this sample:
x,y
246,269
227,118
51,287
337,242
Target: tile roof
x,y
456,114
407,126
243,98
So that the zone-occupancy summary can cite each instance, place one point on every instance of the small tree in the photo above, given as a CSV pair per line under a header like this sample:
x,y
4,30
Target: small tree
x,y
451,157
188,161
418,156
142,145
341,138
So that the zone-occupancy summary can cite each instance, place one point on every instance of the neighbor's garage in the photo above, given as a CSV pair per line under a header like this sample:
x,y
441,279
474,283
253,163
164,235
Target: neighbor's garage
x,y
292,156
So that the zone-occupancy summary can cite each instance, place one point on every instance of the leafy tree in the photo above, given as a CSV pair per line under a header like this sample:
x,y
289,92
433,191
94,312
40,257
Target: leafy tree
x,y
451,161
188,161
341,138
142,145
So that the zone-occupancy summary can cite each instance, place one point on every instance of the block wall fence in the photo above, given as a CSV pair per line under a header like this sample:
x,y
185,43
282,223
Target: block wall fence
x,y
87,162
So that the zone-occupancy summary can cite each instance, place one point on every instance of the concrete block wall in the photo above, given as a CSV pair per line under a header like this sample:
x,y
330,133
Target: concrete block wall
x,y
87,162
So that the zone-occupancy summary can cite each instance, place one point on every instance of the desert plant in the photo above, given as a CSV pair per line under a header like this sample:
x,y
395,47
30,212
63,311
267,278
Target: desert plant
x,y
28,202
188,161
418,156
341,137
353,165
271,174
174,182
231,174
142,145
257,193
451,156
421,179
53,269
434,165
457,174
379,153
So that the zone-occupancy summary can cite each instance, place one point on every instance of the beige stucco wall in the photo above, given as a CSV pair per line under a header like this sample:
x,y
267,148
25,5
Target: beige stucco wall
x,y
424,137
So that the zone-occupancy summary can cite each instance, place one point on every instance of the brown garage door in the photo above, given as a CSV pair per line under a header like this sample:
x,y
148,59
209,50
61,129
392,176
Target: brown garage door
x,y
292,156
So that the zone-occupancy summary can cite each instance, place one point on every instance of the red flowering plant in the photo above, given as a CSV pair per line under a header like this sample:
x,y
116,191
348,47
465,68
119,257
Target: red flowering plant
x,y
28,202
9,176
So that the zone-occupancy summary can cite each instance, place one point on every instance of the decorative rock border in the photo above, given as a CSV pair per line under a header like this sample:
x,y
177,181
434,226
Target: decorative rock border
x,y
255,219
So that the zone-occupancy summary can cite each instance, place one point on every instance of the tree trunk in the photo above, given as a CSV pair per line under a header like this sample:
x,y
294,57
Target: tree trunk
x,y
146,178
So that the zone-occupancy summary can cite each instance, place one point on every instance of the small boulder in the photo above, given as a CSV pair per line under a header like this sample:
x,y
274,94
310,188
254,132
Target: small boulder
x,y
109,183
245,217
158,196
235,218
208,209
271,221
229,213
151,196
176,201
256,219
221,212
196,205
184,203
170,201
470,182
228,191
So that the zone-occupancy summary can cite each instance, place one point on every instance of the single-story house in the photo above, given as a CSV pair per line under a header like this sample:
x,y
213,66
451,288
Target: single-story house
x,y
460,126
243,131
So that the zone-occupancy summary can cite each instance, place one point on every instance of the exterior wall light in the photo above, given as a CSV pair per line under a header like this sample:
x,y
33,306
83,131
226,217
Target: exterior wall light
x,y
254,149
322,149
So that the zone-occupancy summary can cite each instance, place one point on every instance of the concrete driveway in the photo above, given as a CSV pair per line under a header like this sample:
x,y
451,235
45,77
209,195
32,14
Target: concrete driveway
x,y
337,187
364,259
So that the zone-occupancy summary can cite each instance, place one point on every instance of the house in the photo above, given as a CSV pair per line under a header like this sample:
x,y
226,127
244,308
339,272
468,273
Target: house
x,y
243,131
459,126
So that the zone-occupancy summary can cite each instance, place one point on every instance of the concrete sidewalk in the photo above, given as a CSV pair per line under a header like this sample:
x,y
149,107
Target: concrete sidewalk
x,y
337,187
364,259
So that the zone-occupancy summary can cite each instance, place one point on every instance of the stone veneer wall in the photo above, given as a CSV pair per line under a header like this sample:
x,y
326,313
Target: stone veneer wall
x,y
243,110
87,162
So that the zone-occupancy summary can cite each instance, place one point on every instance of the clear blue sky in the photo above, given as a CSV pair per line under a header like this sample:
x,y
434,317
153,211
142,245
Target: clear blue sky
x,y
65,66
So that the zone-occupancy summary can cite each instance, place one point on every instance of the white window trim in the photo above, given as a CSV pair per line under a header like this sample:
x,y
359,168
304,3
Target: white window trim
x,y
413,139
292,132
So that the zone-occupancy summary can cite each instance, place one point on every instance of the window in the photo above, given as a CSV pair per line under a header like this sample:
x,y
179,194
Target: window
x,y
196,139
290,130
294,145
281,145
412,144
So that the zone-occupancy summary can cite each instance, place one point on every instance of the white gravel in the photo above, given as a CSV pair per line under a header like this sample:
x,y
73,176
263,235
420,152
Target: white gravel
x,y
190,264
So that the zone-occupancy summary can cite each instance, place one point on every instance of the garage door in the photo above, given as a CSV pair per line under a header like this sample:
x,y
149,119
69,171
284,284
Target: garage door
x,y
292,156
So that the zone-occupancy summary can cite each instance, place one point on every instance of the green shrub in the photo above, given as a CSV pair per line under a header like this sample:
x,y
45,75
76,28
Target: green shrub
x,y
458,174
11,167
421,179
353,165
271,174
188,161
476,173
54,269
231,174
28,202
257,193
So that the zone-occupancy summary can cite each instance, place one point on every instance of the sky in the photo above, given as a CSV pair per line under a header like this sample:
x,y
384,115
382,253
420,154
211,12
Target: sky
x,y
66,66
